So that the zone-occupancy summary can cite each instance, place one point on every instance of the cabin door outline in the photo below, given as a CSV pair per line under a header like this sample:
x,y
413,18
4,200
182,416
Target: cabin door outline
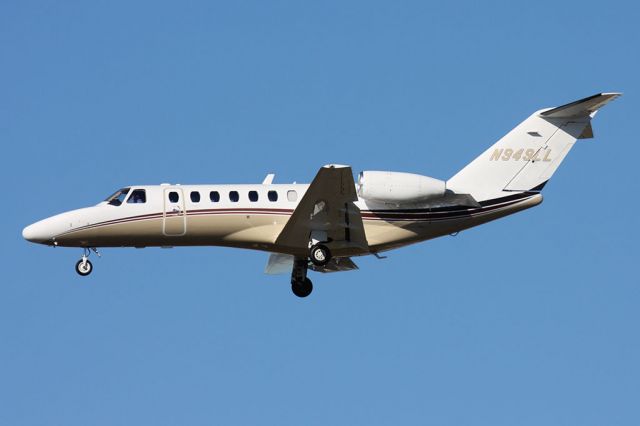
x,y
174,215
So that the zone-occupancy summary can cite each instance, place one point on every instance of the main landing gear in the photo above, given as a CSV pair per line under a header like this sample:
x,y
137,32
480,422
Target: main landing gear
x,y
319,255
300,284
84,265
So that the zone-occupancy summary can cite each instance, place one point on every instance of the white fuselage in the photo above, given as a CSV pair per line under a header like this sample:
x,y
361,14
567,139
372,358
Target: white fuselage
x,y
210,215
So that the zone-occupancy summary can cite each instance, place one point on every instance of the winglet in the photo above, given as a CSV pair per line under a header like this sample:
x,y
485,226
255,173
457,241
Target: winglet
x,y
582,108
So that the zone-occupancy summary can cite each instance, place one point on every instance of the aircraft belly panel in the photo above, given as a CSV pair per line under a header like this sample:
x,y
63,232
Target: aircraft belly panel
x,y
226,230
174,225
381,232
251,228
119,234
384,235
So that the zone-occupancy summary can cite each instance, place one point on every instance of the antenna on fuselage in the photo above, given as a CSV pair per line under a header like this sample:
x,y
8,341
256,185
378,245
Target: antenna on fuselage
x,y
268,180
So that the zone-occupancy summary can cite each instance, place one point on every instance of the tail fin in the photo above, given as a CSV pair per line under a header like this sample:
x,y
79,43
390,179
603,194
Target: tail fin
x,y
525,158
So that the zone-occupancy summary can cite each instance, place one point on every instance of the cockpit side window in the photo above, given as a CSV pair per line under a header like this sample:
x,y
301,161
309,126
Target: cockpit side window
x,y
138,196
118,197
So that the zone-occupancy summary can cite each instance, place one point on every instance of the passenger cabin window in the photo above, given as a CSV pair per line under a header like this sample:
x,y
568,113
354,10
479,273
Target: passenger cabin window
x,y
273,196
234,196
118,197
195,196
253,196
214,196
292,195
138,196
174,197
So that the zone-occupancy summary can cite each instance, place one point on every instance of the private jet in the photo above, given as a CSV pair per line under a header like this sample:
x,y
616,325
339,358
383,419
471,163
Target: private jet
x,y
321,226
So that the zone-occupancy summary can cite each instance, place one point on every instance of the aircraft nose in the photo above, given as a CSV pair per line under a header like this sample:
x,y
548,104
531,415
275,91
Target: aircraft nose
x,y
37,232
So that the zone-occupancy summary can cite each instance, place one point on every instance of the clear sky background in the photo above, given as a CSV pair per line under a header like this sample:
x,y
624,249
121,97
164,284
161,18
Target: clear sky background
x,y
529,320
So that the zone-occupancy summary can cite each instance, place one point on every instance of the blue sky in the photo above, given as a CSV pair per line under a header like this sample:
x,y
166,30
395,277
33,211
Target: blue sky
x,y
529,320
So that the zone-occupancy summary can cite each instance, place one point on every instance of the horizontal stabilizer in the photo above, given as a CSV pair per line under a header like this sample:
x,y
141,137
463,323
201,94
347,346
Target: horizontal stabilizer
x,y
587,133
582,108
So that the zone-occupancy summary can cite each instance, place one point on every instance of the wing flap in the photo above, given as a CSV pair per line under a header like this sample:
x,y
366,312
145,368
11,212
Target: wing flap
x,y
337,264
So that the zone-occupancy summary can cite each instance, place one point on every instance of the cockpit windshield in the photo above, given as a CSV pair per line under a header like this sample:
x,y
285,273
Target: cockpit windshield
x,y
118,197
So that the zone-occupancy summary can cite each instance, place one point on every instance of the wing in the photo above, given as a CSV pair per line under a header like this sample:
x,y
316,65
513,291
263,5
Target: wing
x,y
337,264
282,263
279,264
327,213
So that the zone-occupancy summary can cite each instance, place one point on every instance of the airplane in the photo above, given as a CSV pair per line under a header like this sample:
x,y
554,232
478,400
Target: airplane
x,y
321,226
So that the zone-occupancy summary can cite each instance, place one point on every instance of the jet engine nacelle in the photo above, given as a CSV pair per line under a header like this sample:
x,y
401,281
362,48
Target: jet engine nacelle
x,y
397,187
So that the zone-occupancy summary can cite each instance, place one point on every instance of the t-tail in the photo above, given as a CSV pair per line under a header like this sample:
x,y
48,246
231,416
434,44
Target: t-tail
x,y
526,157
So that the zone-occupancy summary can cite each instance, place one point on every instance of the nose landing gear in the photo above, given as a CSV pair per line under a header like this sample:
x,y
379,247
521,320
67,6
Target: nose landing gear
x,y
84,265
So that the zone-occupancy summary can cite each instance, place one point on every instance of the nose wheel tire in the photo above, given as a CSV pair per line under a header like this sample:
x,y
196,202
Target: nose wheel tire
x,y
84,267
319,255
302,288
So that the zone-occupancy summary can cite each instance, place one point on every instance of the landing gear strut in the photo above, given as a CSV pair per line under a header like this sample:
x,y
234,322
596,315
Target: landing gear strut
x,y
300,284
84,265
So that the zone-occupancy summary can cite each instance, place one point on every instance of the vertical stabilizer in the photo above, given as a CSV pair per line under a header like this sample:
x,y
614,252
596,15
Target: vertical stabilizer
x,y
525,158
